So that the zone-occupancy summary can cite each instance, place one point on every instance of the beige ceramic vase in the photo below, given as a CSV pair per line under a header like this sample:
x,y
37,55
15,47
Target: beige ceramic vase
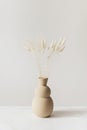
x,y
42,104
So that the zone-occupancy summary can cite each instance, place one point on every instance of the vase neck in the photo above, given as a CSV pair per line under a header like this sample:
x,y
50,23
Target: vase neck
x,y
43,81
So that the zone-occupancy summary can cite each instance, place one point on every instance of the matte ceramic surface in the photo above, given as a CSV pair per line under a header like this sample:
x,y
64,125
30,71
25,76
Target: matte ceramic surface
x,y
42,104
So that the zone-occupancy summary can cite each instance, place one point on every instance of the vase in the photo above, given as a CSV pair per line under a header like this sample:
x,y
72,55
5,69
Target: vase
x,y
42,104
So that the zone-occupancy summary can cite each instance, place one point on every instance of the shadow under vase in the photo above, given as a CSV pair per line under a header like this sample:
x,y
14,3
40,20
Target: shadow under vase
x,y
68,113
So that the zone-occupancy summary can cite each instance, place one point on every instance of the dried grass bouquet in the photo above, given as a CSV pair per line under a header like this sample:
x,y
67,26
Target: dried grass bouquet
x,y
43,53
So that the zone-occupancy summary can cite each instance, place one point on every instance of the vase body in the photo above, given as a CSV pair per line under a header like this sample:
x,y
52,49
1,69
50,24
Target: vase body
x,y
42,104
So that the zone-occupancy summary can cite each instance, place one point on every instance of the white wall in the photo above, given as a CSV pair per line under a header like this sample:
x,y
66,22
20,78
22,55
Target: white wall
x,y
21,20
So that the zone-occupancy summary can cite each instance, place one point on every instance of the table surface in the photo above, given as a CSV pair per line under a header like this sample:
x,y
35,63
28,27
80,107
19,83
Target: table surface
x,y
63,118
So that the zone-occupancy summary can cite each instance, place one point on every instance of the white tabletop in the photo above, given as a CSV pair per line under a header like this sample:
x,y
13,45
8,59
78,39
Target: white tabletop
x,y
63,118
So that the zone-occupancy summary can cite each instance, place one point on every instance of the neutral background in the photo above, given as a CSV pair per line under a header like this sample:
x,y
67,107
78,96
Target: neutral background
x,y
22,20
